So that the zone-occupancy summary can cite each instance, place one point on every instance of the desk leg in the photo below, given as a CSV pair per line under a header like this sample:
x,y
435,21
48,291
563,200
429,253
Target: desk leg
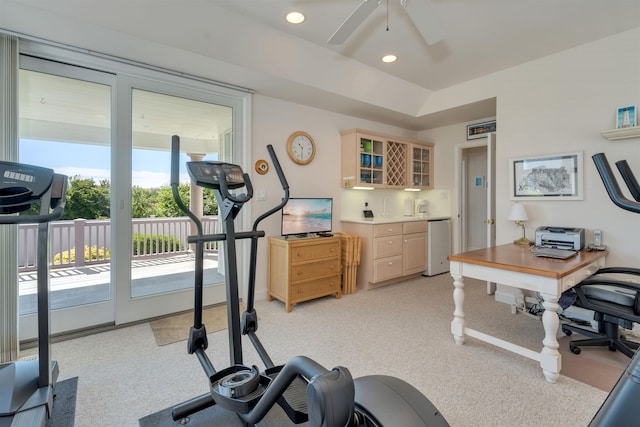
x,y
457,324
550,358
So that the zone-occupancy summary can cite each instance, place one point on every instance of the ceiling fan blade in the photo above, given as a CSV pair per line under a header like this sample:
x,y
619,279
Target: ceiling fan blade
x,y
354,20
421,13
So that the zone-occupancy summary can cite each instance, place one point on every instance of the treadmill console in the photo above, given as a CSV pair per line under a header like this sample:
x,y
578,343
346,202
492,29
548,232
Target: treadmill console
x,y
207,174
22,184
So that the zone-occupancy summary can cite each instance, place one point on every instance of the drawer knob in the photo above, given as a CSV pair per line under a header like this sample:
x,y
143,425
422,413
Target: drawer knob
x,y
390,263
390,242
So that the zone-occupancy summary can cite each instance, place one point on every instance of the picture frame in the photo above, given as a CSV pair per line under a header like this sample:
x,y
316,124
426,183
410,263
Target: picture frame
x,y
626,117
480,130
550,177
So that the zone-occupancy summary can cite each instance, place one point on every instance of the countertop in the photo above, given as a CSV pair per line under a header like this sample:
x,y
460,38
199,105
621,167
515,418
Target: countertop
x,y
387,220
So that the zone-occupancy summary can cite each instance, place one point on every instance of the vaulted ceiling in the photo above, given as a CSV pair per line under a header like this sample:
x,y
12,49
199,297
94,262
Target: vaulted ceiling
x,y
254,47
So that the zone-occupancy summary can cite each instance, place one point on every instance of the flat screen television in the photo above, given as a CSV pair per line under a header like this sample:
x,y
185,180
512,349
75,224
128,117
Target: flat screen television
x,y
305,216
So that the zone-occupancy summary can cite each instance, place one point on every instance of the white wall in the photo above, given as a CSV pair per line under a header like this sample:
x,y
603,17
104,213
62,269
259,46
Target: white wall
x,y
560,104
273,121
556,104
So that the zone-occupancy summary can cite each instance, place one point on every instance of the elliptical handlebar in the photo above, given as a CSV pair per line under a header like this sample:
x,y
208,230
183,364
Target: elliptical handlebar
x,y
175,183
241,198
611,184
283,183
629,178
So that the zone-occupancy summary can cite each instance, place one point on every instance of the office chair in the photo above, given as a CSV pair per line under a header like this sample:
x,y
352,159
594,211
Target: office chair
x,y
615,302
613,293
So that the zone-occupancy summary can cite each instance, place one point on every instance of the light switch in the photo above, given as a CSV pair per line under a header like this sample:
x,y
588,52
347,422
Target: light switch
x,y
262,195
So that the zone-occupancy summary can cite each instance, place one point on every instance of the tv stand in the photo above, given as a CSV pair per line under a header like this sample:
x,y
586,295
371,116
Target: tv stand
x,y
304,269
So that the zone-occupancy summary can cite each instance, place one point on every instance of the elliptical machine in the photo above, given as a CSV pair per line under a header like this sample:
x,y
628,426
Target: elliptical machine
x,y
26,387
304,389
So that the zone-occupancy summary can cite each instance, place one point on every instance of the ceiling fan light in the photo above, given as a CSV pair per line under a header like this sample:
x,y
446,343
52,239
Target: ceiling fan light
x,y
295,17
389,58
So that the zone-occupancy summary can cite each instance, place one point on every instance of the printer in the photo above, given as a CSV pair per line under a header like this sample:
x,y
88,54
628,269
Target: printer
x,y
560,237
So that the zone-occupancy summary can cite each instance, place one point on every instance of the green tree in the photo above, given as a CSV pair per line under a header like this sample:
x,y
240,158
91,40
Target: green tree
x,y
165,205
143,202
86,199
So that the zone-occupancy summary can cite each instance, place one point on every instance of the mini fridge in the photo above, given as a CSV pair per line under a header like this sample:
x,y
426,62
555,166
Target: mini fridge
x,y
438,247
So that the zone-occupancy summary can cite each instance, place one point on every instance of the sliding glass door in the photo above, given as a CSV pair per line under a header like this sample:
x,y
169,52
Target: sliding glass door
x,y
120,253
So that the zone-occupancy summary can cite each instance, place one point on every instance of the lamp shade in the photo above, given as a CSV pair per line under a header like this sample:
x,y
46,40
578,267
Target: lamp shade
x,y
518,213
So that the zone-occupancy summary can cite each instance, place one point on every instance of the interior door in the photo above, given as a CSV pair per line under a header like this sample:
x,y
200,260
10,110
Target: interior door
x,y
491,199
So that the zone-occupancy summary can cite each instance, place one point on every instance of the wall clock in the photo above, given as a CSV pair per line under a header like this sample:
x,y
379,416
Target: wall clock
x,y
301,148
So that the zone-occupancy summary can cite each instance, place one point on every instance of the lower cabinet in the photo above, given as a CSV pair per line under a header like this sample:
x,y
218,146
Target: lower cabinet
x,y
304,269
390,251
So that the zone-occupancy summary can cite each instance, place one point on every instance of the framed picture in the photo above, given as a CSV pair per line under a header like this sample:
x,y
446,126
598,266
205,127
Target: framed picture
x,y
554,177
626,117
480,130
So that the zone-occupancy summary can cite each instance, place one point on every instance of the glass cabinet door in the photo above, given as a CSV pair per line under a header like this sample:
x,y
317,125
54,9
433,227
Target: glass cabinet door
x,y
421,166
371,161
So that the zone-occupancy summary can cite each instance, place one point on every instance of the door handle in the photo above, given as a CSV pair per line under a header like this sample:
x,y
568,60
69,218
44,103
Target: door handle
x,y
490,221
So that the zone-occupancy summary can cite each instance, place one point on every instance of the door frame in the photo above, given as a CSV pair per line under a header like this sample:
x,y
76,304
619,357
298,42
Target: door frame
x,y
128,309
460,185
86,315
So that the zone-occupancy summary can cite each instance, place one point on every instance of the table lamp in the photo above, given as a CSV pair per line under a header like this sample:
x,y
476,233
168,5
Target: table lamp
x,y
519,215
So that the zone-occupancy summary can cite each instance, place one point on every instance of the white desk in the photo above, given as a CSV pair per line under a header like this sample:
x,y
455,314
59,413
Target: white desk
x,y
516,266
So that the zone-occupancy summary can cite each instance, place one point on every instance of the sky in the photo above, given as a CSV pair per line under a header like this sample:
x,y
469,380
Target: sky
x,y
151,169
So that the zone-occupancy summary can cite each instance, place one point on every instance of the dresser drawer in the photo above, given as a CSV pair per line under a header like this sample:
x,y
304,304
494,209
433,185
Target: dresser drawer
x,y
411,227
311,270
387,246
315,251
387,268
387,229
315,288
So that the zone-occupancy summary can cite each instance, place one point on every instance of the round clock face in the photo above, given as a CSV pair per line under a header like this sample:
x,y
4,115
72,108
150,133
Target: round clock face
x,y
301,148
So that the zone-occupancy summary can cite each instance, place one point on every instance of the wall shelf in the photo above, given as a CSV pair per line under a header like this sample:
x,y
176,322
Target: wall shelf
x,y
623,133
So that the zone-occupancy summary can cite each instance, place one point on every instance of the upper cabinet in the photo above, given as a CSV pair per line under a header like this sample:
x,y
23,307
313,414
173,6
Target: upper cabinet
x,y
420,165
375,160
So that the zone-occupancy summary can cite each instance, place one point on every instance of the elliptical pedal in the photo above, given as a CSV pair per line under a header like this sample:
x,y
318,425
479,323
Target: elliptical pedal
x,y
294,400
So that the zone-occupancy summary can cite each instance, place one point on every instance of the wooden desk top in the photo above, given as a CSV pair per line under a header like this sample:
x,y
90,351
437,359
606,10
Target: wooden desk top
x,y
520,259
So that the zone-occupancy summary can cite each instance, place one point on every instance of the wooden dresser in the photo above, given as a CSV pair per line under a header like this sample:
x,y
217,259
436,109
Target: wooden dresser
x,y
303,269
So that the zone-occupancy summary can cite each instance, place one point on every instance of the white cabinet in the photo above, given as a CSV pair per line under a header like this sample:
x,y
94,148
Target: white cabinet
x,y
391,252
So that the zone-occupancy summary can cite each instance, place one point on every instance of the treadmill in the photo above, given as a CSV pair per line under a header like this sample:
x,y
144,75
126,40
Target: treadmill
x,y
26,387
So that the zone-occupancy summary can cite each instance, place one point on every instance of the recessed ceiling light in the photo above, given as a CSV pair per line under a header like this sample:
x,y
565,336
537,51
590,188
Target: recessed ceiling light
x,y
295,17
389,58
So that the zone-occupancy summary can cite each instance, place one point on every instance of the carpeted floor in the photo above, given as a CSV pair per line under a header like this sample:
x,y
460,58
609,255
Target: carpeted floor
x,y
400,330
64,404
169,330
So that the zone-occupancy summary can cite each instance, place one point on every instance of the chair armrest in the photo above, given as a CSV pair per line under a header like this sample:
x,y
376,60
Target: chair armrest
x,y
630,312
619,270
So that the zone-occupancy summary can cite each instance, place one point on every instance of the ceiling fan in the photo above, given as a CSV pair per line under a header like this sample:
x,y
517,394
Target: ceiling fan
x,y
419,11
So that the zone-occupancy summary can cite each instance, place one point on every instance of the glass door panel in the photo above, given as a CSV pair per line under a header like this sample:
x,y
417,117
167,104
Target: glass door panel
x,y
162,262
65,125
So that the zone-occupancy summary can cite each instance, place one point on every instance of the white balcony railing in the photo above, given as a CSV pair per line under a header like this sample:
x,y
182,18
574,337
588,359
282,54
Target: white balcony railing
x,y
151,238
